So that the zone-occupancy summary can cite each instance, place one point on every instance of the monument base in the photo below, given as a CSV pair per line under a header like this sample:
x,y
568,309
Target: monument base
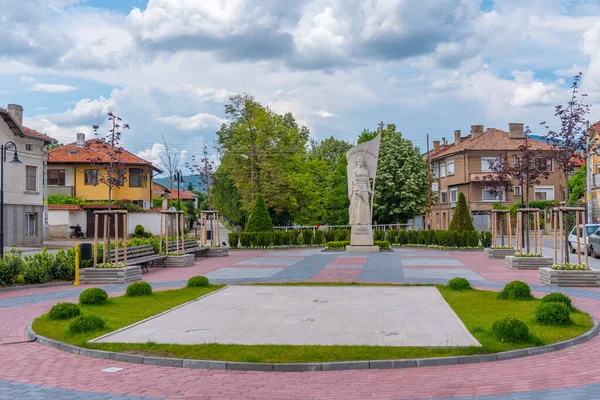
x,y
361,235
362,249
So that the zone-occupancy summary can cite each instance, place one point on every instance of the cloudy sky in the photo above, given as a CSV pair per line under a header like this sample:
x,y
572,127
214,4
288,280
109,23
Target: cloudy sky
x,y
168,66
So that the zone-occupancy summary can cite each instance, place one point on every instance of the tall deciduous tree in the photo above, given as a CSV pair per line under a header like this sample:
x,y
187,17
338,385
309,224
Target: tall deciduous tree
x,y
170,160
461,221
205,169
226,198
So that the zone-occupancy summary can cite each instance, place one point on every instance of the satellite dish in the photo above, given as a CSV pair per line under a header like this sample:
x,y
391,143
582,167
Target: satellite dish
x,y
172,209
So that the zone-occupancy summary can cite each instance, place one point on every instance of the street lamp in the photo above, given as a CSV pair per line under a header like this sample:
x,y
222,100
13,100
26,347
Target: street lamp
x,y
15,160
179,178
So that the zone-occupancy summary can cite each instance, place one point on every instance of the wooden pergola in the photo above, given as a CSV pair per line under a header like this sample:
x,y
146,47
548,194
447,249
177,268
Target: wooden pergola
x,y
504,217
108,214
558,214
210,215
173,219
523,228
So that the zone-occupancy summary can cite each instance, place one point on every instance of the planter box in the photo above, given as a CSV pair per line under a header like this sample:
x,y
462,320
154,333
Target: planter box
x,y
489,252
554,277
110,275
217,252
180,261
513,262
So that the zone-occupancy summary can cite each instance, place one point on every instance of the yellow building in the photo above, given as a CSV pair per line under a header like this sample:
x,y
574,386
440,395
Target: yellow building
x,y
78,169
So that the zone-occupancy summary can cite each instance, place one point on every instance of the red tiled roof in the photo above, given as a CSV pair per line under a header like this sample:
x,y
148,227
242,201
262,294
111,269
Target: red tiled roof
x,y
491,139
37,134
94,149
67,207
157,187
23,130
99,206
185,195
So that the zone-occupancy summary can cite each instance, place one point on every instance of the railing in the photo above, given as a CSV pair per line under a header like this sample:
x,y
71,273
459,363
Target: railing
x,y
64,190
383,227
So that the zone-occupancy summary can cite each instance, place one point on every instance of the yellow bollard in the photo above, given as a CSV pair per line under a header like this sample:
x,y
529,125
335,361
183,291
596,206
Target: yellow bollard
x,y
77,256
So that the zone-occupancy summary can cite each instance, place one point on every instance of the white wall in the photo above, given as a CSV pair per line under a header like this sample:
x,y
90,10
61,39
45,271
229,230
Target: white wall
x,y
58,217
149,220
79,217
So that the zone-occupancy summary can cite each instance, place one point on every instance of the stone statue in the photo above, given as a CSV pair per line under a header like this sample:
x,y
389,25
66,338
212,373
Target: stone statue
x,y
360,194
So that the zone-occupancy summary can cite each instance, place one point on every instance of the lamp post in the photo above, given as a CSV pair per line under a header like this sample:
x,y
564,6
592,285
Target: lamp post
x,y
179,177
15,160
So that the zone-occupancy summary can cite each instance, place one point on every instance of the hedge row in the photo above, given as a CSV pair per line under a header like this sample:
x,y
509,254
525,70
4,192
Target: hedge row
x,y
38,268
341,245
395,237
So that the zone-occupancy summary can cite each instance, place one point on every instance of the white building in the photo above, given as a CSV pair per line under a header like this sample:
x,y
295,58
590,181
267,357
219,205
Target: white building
x,y
24,181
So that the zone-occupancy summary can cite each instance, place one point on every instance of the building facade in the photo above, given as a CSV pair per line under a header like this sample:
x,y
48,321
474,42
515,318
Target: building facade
x,y
463,166
23,181
594,182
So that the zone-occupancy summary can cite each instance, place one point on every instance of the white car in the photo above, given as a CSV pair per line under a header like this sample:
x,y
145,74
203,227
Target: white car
x,y
590,229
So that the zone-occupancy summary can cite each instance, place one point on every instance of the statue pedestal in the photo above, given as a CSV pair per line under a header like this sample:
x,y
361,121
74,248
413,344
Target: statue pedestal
x,y
361,240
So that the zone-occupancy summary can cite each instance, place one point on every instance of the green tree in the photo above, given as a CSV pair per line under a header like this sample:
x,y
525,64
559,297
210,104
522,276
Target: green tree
x,y
461,221
337,202
190,187
577,186
226,198
259,220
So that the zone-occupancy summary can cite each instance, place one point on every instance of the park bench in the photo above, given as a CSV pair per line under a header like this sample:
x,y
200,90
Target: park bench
x,y
142,255
190,247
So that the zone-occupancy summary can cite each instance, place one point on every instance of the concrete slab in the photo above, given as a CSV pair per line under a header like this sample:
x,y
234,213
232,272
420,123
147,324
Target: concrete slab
x,y
245,273
426,261
382,316
443,274
287,261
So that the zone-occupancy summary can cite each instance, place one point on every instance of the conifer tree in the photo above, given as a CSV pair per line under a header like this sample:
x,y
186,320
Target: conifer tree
x,y
461,221
259,220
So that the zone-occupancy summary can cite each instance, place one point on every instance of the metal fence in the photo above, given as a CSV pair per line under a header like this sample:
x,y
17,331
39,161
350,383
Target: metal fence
x,y
382,227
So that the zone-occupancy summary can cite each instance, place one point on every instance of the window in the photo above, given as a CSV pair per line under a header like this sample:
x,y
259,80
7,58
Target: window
x,y
437,219
56,177
31,178
444,196
442,170
543,192
30,224
488,195
450,167
436,171
517,161
485,163
544,164
453,195
135,177
91,176
517,190
29,147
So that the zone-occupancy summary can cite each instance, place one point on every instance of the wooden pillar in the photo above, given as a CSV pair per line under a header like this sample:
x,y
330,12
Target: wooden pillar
x,y
509,223
177,232
219,230
161,234
104,238
125,238
560,232
554,215
95,239
494,215
578,238
116,238
182,225
584,237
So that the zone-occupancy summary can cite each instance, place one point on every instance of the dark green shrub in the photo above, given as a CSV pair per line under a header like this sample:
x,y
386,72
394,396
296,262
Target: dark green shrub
x,y
139,289
259,219
558,298
37,267
382,244
485,238
93,296
403,237
379,235
63,266
459,284
10,267
338,244
510,330
461,221
64,311
515,290
549,313
318,237
198,281
86,323
392,236
233,238
140,233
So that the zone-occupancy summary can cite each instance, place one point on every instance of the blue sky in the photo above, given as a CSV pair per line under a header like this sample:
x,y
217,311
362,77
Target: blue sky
x,y
168,66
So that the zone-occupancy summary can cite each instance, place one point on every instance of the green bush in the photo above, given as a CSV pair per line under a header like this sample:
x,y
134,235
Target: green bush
x,y
140,232
64,311
510,330
551,313
139,289
338,245
93,296
10,267
459,284
379,235
36,268
259,219
382,244
233,238
461,221
86,323
558,298
515,290
198,281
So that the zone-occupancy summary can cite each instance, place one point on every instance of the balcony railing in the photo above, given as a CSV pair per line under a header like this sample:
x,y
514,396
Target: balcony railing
x,y
65,190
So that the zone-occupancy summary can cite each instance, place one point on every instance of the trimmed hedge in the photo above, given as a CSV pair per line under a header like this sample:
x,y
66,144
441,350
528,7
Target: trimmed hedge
x,y
86,323
459,284
198,281
551,313
139,289
558,298
64,311
515,290
510,330
93,296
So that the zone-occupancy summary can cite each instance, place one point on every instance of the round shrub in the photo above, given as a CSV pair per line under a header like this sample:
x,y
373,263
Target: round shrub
x,y
515,290
459,284
552,314
64,311
198,280
86,323
557,298
510,330
139,289
93,296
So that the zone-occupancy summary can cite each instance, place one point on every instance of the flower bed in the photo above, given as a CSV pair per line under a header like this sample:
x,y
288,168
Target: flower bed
x,y
498,252
110,275
569,277
527,262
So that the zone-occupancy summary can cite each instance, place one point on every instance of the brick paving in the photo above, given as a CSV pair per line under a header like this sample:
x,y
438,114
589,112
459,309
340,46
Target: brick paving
x,y
31,370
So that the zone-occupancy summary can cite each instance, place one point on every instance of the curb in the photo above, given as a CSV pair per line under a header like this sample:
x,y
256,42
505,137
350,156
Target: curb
x,y
324,366
41,285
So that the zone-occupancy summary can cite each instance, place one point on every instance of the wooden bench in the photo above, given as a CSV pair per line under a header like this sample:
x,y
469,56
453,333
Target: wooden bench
x,y
190,247
142,255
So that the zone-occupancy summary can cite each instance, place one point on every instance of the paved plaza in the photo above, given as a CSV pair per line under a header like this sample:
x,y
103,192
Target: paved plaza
x,y
31,370
307,315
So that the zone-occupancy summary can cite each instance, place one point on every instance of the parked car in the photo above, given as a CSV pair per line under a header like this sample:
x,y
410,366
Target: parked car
x,y
591,235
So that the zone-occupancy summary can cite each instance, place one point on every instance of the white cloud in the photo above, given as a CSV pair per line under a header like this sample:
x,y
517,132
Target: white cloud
x,y
46,87
195,122
536,93
325,114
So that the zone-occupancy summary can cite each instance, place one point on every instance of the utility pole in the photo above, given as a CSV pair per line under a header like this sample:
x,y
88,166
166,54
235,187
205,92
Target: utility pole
x,y
428,185
589,174
45,193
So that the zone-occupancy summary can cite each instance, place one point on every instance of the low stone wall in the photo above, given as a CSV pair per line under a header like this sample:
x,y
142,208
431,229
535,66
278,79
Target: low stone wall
x,y
110,275
180,261
489,252
553,277
513,262
217,252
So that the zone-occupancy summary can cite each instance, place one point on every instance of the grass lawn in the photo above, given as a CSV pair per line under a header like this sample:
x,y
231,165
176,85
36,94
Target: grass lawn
x,y
477,309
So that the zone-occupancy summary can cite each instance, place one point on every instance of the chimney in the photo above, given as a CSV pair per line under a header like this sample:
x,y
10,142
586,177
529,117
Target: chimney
x,y
515,131
444,142
436,145
476,131
457,137
17,113
80,139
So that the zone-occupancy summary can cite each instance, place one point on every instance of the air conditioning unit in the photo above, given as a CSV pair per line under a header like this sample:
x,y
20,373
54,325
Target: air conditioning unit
x,y
452,205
